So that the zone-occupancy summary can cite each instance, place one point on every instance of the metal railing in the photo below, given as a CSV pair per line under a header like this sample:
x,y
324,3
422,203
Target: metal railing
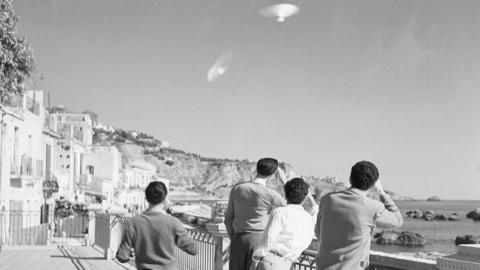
x,y
24,228
213,253
306,260
205,259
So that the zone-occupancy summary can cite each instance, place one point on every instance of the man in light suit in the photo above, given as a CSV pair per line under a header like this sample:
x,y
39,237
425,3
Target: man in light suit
x,y
347,218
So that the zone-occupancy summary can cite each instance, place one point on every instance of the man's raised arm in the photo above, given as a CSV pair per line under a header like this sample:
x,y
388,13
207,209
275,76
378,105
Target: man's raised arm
x,y
389,215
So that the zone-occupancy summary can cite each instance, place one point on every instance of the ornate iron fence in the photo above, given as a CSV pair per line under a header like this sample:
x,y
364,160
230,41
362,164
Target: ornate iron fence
x,y
306,261
205,259
21,228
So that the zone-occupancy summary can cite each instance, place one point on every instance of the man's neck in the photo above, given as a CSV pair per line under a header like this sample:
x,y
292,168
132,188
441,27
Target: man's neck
x,y
260,180
359,190
157,208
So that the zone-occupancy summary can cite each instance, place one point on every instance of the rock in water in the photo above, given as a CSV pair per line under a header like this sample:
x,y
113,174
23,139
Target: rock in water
x,y
429,215
440,217
414,214
454,217
433,199
405,238
467,239
474,214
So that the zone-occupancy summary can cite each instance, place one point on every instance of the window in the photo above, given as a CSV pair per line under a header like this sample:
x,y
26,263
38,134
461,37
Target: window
x,y
91,169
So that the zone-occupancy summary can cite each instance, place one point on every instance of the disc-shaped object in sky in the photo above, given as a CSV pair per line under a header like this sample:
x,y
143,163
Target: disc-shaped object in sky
x,y
220,67
280,11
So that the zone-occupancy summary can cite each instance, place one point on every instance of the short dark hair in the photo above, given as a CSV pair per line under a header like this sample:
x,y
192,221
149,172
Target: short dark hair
x,y
156,192
267,166
364,174
296,190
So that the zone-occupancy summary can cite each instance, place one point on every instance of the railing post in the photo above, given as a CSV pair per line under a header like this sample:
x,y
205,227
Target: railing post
x,y
219,231
91,228
222,244
116,232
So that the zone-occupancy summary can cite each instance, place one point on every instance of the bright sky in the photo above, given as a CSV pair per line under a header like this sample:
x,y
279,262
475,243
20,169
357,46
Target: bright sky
x,y
393,82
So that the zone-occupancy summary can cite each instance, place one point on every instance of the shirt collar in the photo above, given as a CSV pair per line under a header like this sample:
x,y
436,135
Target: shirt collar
x,y
153,212
292,205
260,181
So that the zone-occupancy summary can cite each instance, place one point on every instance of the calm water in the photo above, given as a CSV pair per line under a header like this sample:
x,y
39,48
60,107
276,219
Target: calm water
x,y
440,235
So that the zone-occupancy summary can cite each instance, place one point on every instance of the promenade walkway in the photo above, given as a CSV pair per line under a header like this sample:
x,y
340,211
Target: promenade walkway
x,y
58,258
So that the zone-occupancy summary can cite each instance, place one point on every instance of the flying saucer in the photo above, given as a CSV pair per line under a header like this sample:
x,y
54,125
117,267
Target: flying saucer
x,y
220,67
280,11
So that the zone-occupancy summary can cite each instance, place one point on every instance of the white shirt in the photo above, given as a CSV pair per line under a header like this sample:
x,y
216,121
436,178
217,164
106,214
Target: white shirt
x,y
289,232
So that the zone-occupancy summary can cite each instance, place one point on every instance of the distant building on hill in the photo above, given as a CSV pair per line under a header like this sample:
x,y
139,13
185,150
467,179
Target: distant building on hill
x,y
72,125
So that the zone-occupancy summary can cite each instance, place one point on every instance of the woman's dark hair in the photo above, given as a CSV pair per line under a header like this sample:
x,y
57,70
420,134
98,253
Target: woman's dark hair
x,y
156,192
267,166
295,190
364,174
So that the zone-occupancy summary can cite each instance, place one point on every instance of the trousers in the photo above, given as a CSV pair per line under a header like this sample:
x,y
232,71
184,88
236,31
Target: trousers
x,y
242,246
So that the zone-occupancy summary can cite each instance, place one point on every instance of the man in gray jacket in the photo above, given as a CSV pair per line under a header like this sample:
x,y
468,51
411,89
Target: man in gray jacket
x,y
248,211
346,220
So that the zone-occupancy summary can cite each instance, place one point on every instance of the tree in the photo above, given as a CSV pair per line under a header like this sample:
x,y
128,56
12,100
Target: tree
x,y
16,57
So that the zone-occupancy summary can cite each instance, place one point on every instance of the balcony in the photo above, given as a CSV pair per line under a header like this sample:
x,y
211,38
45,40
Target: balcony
x,y
105,232
29,170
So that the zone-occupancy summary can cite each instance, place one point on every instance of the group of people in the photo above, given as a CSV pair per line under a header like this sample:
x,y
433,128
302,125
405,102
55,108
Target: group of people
x,y
268,231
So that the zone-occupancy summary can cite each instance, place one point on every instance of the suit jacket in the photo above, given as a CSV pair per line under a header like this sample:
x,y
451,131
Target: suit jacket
x,y
345,222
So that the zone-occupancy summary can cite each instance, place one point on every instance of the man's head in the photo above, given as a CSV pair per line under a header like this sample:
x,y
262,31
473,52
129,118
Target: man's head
x,y
296,190
266,167
156,192
364,174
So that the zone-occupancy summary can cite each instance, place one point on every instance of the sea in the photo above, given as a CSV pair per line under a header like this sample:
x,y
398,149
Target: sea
x,y
439,235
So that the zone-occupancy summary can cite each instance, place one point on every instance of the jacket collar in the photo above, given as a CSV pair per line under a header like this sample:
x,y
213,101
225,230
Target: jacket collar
x,y
358,191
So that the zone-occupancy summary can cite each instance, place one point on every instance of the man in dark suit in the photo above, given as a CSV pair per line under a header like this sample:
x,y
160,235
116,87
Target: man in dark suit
x,y
346,220
154,233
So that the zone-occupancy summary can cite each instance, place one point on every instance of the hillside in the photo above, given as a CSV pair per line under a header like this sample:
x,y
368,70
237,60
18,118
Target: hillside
x,y
193,172
207,176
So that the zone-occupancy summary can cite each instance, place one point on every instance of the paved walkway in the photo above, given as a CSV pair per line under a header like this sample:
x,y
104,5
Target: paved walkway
x,y
57,258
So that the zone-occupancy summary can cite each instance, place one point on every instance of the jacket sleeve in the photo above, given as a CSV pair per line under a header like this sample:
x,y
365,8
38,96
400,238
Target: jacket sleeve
x,y
184,241
229,216
388,215
277,200
124,251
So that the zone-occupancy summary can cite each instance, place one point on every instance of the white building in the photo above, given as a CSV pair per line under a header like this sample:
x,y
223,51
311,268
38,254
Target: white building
x,y
103,164
72,125
70,167
23,153
134,179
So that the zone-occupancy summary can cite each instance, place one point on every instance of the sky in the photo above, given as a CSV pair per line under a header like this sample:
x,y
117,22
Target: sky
x,y
393,82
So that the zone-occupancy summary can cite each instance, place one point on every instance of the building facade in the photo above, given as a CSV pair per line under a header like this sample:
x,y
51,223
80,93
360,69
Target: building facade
x,y
23,154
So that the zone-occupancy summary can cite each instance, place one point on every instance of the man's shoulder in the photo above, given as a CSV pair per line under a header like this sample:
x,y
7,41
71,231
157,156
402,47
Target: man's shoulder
x,y
159,217
241,185
373,203
331,195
